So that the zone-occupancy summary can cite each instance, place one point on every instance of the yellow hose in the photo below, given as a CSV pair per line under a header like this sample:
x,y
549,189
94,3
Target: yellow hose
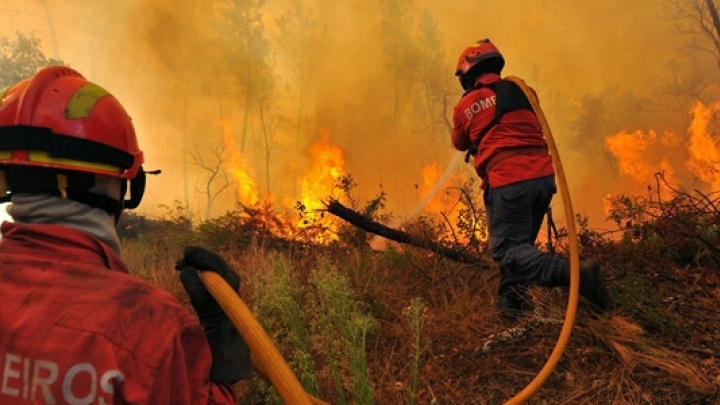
x,y
569,321
266,357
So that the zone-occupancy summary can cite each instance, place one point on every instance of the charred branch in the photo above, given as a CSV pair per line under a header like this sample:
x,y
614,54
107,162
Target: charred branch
x,y
354,218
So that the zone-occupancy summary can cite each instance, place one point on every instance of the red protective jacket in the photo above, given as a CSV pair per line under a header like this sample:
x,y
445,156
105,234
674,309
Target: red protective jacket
x,y
516,129
75,328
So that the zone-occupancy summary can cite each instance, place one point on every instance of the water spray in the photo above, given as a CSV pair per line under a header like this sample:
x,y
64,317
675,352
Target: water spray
x,y
436,188
397,223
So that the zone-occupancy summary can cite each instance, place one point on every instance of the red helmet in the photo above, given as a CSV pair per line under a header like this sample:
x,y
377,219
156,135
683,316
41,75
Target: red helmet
x,y
59,120
480,51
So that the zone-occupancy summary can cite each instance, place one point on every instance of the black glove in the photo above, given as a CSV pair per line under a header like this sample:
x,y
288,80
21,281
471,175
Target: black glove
x,y
230,353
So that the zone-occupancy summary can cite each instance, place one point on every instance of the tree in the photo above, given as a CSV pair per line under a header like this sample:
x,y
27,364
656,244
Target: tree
x,y
249,53
436,78
298,35
21,58
217,180
269,124
252,66
700,21
396,26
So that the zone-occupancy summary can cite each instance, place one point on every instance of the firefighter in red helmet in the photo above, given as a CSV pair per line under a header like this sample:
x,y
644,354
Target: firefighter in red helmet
x,y
495,123
75,327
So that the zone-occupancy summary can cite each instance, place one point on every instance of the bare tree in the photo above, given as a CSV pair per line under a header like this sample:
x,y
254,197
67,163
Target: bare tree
x,y
217,180
269,125
439,90
698,19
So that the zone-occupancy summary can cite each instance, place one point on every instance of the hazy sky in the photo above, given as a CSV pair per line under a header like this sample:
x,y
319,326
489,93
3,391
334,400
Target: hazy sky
x,y
165,62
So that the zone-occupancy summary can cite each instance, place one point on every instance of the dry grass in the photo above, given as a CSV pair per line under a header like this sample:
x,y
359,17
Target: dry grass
x,y
609,359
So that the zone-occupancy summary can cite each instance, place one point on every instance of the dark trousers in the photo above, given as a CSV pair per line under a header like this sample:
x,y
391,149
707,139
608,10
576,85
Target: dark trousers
x,y
515,214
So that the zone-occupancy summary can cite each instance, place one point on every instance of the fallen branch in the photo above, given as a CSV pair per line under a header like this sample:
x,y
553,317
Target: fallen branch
x,y
513,333
354,218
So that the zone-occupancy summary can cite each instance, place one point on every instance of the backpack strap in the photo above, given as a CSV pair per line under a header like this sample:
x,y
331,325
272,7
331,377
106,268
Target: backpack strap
x,y
509,97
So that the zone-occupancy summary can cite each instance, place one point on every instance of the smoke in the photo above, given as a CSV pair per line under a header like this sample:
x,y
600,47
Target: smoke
x,y
599,68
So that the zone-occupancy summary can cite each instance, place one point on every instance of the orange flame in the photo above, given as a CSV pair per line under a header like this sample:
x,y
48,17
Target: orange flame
x,y
704,155
328,165
239,169
316,185
642,154
446,205
443,201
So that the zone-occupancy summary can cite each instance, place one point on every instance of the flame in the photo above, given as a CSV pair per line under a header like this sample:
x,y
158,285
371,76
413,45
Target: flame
x,y
704,155
446,206
642,154
441,202
316,185
237,166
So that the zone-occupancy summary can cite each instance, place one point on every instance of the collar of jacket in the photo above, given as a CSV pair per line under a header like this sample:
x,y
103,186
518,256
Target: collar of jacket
x,y
58,242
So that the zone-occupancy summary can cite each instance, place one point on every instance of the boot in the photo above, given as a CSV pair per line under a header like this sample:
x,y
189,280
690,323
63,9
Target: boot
x,y
509,308
592,286
512,303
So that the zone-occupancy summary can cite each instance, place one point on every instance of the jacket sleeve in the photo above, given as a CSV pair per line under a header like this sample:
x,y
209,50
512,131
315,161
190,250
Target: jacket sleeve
x,y
183,375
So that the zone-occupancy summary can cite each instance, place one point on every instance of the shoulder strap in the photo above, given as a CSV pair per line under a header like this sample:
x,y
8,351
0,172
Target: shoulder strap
x,y
509,97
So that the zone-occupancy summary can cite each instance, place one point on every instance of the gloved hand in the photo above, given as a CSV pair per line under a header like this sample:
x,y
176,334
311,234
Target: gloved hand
x,y
230,353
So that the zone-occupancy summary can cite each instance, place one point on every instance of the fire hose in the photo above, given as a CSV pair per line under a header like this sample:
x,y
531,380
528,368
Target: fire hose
x,y
265,356
569,320
267,360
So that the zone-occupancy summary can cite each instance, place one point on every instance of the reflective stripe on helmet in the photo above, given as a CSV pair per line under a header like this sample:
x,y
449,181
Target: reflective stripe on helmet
x,y
83,101
44,157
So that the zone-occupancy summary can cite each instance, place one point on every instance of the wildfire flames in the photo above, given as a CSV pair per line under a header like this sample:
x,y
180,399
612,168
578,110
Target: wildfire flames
x,y
641,154
318,183
316,186
247,191
704,155
446,206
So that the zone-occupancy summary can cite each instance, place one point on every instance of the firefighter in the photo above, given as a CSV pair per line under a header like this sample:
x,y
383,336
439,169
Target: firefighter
x,y
495,123
75,327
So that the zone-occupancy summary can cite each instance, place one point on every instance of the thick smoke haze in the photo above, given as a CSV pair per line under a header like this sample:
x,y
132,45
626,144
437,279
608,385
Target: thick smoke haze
x,y
599,68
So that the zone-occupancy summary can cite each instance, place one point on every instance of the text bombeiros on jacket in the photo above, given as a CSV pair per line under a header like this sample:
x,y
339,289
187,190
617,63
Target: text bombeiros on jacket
x,y
32,379
480,105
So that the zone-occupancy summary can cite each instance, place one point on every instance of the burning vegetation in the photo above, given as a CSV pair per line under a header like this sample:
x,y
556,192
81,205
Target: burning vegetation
x,y
300,126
